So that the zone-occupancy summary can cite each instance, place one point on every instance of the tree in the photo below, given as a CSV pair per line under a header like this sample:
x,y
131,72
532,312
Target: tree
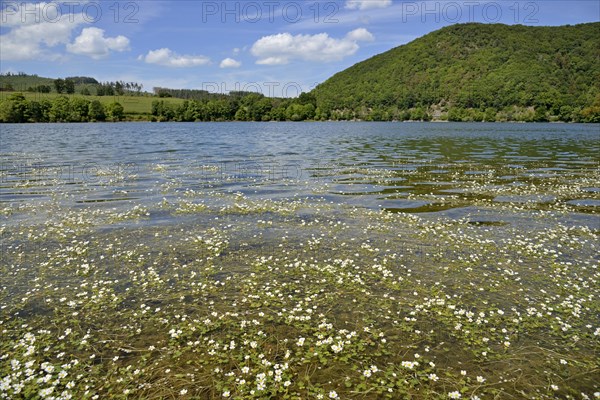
x,y
307,98
592,113
119,88
39,111
60,110
115,112
14,109
298,112
69,86
79,109
96,111
59,85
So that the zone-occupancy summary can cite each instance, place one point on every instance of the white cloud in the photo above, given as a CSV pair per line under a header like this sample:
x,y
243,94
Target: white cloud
x,y
367,4
360,35
92,43
32,34
230,63
36,29
282,48
169,58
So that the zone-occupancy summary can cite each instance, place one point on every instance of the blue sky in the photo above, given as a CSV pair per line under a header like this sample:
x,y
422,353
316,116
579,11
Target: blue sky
x,y
276,47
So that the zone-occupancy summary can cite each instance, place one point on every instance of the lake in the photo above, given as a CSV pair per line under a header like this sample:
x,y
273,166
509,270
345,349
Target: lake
x,y
299,260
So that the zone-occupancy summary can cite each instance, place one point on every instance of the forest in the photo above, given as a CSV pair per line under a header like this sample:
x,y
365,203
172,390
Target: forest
x,y
475,72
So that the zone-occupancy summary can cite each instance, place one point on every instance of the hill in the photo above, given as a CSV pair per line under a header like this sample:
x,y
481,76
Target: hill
x,y
21,82
475,72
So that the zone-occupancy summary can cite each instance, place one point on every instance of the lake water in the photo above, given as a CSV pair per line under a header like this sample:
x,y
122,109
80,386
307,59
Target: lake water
x,y
212,258
412,167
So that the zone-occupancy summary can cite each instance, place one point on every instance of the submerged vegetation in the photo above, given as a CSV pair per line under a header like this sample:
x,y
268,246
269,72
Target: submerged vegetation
x,y
244,297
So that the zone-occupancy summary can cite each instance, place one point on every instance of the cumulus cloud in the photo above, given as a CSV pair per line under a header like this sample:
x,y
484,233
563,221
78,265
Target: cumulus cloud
x,y
92,43
230,63
360,35
367,4
169,58
36,29
30,37
282,48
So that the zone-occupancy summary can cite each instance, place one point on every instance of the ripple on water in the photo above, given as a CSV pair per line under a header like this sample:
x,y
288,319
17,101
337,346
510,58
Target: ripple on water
x,y
523,199
584,202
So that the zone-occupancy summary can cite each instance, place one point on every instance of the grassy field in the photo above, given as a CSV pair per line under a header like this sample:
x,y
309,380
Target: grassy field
x,y
133,105
21,83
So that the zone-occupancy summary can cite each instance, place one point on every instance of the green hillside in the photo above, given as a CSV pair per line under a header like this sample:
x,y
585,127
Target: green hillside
x,y
475,72
22,82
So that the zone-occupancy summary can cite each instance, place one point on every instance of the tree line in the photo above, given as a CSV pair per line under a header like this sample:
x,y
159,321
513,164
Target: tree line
x,y
256,107
239,106
17,109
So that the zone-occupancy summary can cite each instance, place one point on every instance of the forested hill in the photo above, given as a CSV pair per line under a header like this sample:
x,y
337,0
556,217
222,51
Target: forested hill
x,y
474,72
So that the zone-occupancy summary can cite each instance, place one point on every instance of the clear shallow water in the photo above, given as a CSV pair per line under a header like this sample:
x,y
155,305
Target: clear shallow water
x,y
366,260
404,167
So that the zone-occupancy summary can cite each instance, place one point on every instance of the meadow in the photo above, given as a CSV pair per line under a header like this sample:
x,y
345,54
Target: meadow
x,y
133,105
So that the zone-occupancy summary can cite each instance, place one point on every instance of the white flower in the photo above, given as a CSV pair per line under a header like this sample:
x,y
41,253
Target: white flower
x,y
183,392
226,393
463,372
409,364
337,347
564,362
46,392
300,342
554,387
367,373
433,377
480,379
333,394
454,395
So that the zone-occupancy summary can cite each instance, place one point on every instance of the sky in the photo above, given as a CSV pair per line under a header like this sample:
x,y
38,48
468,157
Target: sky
x,y
278,48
